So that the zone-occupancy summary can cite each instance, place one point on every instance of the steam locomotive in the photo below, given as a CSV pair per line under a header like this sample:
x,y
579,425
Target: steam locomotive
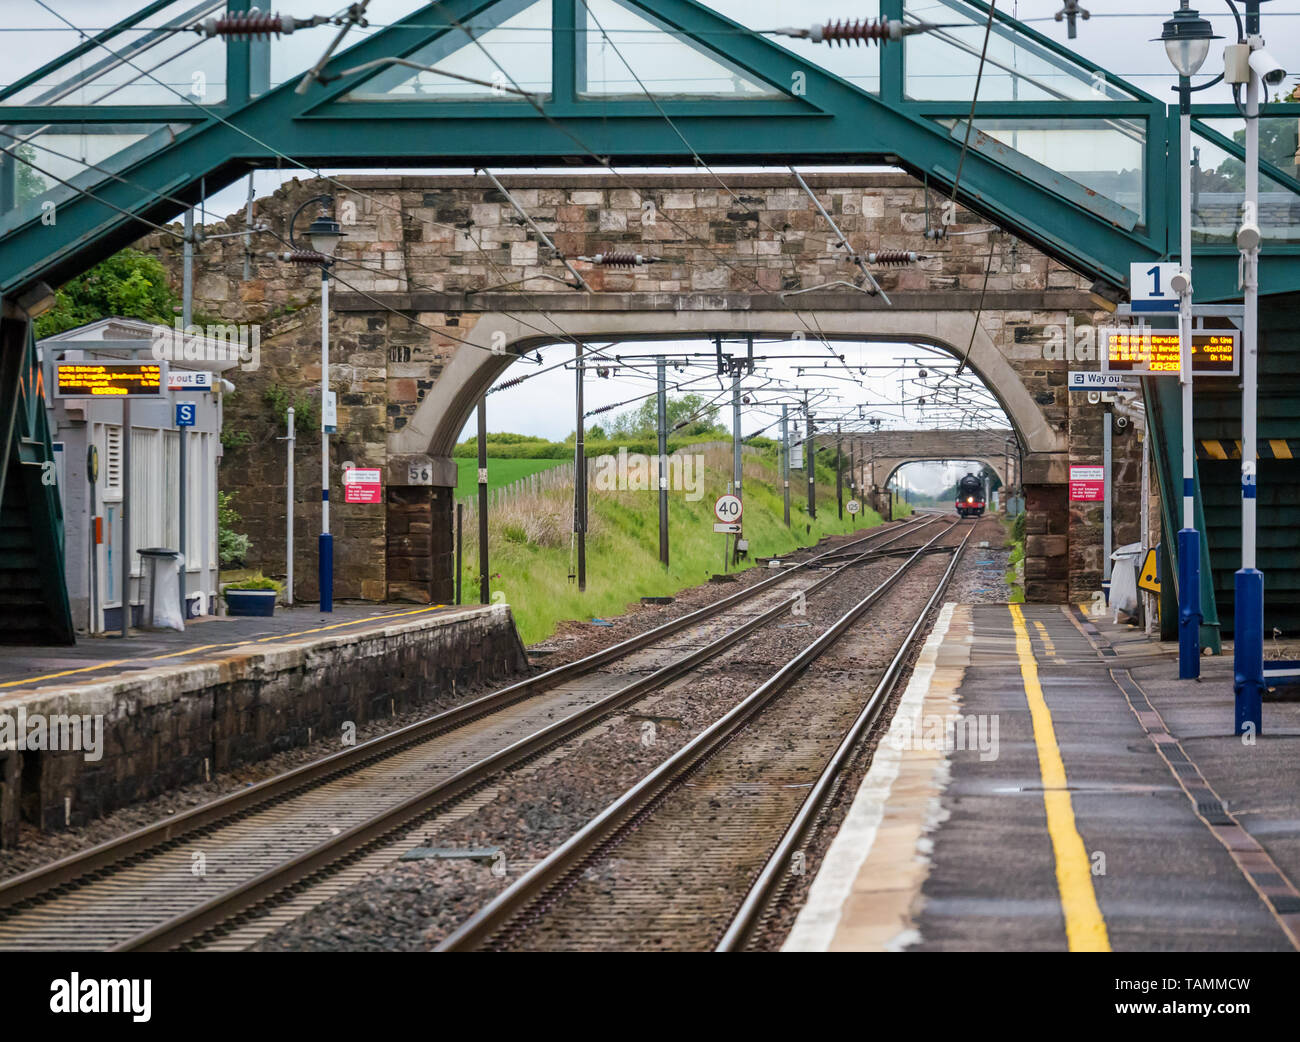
x,y
970,497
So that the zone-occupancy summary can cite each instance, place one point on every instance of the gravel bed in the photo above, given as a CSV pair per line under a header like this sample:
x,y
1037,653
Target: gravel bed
x,y
672,883
972,582
982,576
574,640
539,805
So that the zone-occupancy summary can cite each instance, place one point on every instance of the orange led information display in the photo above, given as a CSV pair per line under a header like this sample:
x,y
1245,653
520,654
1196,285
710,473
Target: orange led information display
x,y
1154,352
109,380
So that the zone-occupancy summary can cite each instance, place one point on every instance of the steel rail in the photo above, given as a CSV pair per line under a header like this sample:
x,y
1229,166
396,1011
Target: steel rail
x,y
605,828
759,896
222,907
66,871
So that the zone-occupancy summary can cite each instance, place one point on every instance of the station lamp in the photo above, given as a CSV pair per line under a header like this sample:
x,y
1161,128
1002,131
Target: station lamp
x,y
324,235
1187,37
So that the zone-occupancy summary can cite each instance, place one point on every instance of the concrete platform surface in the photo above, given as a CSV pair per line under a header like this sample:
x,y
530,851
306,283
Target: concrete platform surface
x,y
1047,785
94,658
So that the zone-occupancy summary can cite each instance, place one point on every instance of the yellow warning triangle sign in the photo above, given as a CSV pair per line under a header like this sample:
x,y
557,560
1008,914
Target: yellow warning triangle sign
x,y
1147,577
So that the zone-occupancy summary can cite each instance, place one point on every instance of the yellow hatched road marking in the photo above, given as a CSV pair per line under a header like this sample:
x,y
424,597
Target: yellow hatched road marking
x,y
1281,450
1214,449
1085,927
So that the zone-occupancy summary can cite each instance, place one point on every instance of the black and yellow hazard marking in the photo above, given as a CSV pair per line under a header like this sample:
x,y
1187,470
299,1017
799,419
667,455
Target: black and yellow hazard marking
x,y
1265,448
1148,577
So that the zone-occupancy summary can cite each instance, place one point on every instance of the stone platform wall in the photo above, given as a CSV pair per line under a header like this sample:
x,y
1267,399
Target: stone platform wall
x,y
174,725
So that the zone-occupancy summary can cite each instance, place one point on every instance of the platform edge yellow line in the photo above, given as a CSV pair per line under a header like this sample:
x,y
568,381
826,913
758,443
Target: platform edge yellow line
x,y
1085,927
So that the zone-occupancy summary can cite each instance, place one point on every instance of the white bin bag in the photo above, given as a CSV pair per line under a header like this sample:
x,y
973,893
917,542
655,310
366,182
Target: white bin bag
x,y
1123,579
160,578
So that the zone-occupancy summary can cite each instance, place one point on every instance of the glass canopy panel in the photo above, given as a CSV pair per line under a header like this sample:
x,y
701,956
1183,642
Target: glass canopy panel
x,y
859,65
1098,164
1279,139
148,64
83,157
1219,189
941,65
628,54
291,56
511,47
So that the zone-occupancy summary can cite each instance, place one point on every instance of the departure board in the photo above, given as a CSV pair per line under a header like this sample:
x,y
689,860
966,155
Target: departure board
x,y
1142,351
109,380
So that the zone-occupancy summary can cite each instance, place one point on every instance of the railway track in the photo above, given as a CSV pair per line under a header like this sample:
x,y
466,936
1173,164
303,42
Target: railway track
x,y
693,855
185,880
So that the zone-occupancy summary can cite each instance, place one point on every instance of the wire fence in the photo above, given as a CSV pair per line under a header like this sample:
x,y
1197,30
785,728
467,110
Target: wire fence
x,y
562,475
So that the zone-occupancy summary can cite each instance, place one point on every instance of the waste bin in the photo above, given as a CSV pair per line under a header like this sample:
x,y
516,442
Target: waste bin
x,y
160,573
1123,579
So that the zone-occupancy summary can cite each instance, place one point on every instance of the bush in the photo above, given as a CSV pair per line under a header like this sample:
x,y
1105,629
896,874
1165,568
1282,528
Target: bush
x,y
232,546
254,582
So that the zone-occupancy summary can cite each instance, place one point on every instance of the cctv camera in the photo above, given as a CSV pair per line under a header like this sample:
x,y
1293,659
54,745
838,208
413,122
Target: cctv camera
x,y
1266,67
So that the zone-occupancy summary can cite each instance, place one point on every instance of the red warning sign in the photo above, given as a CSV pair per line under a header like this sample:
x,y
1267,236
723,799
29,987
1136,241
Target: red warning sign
x,y
1087,483
361,485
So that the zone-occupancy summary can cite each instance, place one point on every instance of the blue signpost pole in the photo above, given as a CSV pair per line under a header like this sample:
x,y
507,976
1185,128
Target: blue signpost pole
x,y
1189,539
1248,604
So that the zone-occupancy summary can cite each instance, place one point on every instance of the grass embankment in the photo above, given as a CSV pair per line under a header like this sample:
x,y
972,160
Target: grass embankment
x,y
530,543
500,472
1016,573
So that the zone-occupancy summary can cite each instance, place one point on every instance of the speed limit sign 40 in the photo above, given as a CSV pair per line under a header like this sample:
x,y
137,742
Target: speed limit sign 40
x,y
728,508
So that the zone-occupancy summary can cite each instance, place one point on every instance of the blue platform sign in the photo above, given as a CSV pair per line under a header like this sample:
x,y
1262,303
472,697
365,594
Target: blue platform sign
x,y
186,414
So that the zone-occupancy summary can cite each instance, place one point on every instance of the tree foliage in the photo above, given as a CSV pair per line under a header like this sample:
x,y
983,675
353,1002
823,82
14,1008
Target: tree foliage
x,y
642,422
129,284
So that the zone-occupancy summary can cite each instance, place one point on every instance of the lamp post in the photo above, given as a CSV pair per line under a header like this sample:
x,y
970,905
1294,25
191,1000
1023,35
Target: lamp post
x,y
1187,37
1249,62
324,234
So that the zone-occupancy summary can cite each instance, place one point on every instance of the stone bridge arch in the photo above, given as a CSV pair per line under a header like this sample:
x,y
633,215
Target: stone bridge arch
x,y
423,322
499,337
887,467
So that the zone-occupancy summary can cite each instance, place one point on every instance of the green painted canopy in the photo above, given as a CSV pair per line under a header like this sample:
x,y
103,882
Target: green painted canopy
x,y
138,122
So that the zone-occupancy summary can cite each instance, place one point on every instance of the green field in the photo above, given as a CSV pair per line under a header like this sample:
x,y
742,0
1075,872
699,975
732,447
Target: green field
x,y
500,472
530,543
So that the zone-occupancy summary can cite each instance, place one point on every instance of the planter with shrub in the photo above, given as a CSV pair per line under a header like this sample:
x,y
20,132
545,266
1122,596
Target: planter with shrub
x,y
255,596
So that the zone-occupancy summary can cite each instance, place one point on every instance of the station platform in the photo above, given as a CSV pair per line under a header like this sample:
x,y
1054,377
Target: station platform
x,y
207,638
1048,784
90,728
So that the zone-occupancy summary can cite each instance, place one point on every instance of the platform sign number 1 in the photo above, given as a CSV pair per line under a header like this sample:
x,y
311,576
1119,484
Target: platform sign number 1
x,y
1149,286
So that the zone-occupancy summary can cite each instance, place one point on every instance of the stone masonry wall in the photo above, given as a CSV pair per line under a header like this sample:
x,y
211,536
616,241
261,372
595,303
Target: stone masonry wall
x,y
448,235
170,725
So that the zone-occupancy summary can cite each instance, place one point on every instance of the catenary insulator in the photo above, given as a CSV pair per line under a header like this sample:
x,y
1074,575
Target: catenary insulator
x,y
256,24
894,258
855,31
618,259
301,257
